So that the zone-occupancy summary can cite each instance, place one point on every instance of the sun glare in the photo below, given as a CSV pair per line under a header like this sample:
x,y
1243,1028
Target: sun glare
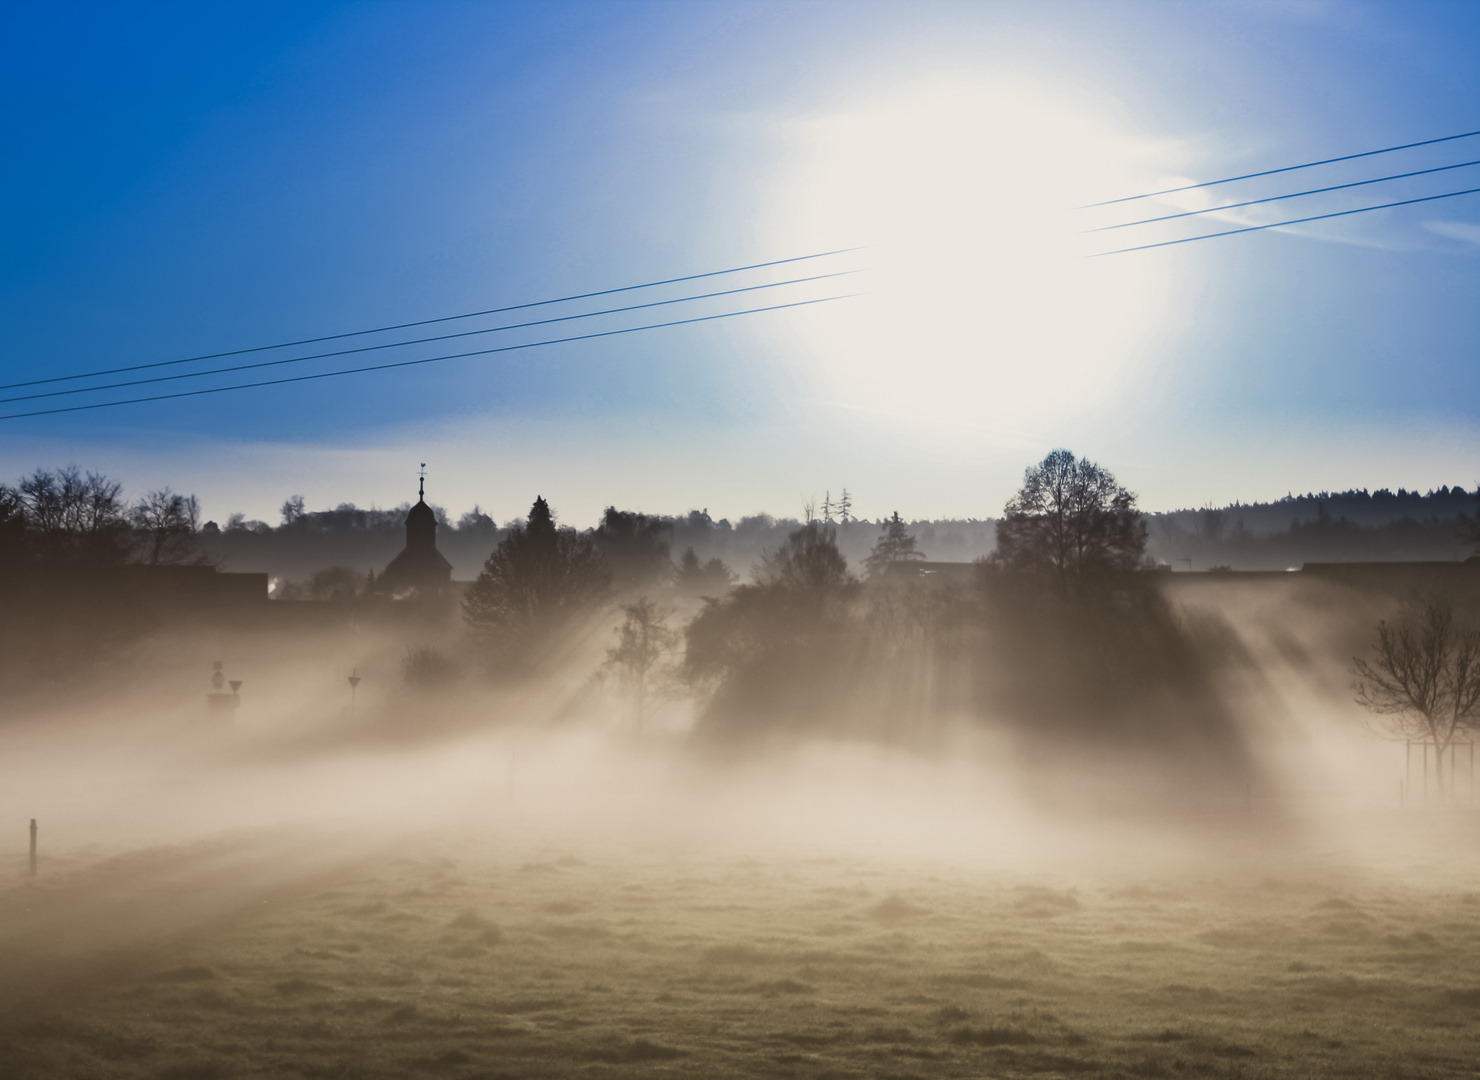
x,y
980,310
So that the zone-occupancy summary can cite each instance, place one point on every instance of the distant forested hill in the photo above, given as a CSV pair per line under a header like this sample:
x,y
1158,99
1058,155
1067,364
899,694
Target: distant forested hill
x,y
1346,526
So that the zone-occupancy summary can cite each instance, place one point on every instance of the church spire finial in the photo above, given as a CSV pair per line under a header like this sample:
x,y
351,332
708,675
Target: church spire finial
x,y
421,489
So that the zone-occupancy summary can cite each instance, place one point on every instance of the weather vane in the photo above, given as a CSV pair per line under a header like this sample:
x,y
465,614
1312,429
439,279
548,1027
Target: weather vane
x,y
421,489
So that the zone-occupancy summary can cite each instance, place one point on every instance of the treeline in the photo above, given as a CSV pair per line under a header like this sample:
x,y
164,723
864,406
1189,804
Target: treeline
x,y
1440,526
1060,637
65,517
306,542
1358,506
75,561
1315,527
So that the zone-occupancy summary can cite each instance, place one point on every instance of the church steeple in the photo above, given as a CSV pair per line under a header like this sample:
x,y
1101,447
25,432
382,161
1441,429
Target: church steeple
x,y
420,570
421,523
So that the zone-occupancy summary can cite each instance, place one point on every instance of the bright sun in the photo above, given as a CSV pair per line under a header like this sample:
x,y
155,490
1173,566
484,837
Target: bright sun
x,y
980,311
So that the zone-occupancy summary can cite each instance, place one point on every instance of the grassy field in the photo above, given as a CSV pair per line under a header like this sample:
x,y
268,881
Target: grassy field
x,y
479,959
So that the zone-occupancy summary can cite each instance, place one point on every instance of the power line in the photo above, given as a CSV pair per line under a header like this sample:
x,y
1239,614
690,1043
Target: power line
x,y
429,322
426,360
1278,224
418,341
1287,168
1279,198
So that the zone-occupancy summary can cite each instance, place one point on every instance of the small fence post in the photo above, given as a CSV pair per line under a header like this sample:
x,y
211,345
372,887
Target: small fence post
x,y
33,847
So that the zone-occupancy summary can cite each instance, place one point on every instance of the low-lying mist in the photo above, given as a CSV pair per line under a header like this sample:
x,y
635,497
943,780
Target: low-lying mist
x,y
926,827
907,718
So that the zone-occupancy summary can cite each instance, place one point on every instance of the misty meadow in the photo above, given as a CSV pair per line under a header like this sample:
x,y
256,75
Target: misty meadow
x,y
671,795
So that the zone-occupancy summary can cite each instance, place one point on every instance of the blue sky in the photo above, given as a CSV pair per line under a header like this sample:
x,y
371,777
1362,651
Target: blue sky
x,y
196,178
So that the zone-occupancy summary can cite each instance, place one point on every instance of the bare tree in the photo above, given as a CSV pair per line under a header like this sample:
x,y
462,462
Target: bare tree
x,y
1424,677
166,523
643,656
293,509
74,514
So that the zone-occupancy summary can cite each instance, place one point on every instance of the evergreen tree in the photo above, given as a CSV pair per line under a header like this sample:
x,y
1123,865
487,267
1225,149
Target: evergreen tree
x,y
538,579
894,545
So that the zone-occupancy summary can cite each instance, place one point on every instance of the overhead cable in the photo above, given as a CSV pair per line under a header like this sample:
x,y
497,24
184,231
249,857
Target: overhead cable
x,y
425,360
1285,169
417,341
1279,224
1279,198
429,322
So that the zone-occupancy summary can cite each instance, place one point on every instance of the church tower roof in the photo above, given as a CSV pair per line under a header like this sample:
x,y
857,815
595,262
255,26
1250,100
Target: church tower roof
x,y
420,566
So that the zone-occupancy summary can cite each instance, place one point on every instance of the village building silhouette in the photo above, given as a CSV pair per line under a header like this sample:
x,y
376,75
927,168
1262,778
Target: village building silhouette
x,y
420,569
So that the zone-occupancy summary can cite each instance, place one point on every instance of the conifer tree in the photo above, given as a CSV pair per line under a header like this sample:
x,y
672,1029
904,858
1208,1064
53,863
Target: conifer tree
x,y
894,545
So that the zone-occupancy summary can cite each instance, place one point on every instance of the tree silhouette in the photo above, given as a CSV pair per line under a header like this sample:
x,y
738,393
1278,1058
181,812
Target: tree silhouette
x,y
809,565
761,637
695,578
1424,677
475,520
894,545
536,581
165,522
74,516
642,657
636,548
1070,524
13,524
293,509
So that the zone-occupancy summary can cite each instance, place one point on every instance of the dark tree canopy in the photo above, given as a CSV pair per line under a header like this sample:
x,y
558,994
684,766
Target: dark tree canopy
x,y
536,581
894,545
758,644
809,565
1070,524
636,547
696,578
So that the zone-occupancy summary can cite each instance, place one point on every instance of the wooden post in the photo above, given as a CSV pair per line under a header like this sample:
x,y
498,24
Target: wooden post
x,y
33,847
